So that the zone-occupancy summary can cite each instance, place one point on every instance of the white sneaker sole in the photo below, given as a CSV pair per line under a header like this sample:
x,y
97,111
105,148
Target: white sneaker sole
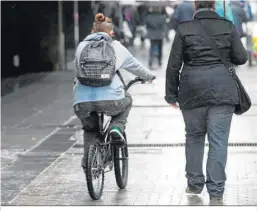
x,y
117,132
192,194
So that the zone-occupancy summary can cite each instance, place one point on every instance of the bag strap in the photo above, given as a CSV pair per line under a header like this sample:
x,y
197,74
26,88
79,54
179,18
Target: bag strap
x,y
121,78
207,37
106,38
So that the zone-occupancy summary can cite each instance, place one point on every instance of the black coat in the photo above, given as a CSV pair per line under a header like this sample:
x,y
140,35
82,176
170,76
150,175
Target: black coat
x,y
155,24
204,81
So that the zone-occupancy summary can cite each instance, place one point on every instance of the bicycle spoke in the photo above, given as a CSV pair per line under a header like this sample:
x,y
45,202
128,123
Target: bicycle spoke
x,y
94,165
94,172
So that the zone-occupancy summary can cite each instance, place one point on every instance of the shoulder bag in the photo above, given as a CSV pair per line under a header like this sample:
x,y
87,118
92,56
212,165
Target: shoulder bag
x,y
244,99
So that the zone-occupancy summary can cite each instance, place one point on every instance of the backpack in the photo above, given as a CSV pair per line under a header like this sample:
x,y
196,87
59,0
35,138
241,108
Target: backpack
x,y
97,63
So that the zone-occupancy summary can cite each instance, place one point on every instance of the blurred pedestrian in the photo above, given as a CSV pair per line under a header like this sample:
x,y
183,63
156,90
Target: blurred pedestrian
x,y
183,12
199,92
155,24
131,16
221,10
142,13
247,5
164,12
240,17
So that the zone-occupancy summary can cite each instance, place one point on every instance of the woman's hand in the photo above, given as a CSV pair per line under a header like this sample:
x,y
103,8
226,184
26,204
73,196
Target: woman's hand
x,y
174,105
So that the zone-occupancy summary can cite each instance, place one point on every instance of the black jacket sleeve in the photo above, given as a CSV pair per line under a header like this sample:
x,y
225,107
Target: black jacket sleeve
x,y
173,68
238,53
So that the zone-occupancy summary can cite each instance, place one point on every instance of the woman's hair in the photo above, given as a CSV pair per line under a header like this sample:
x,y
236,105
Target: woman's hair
x,y
102,24
204,4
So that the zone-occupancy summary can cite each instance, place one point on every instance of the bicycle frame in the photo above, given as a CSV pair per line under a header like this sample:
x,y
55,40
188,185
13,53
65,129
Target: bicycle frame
x,y
104,141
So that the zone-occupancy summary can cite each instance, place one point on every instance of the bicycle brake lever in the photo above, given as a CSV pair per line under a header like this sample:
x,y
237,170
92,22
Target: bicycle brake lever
x,y
149,82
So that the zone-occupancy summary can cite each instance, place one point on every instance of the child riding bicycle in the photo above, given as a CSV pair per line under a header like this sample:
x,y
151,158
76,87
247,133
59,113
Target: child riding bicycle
x,y
98,87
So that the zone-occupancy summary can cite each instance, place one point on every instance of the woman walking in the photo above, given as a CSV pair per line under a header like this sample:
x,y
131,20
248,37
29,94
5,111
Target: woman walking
x,y
205,92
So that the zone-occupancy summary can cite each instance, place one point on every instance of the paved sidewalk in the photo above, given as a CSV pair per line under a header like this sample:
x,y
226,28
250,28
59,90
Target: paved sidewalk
x,y
156,177
34,111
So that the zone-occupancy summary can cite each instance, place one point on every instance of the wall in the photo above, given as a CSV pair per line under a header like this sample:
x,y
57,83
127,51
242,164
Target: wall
x,y
29,30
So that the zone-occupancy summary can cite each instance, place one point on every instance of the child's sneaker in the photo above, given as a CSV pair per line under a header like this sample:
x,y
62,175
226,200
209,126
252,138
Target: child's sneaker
x,y
117,136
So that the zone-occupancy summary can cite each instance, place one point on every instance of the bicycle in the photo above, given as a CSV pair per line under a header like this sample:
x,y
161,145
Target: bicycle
x,y
101,153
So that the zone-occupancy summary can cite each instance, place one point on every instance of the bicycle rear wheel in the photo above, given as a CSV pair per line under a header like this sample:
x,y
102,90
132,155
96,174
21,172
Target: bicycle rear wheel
x,y
121,165
94,171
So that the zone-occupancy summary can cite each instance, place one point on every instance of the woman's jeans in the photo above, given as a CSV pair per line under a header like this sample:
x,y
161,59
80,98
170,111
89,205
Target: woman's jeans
x,y
215,121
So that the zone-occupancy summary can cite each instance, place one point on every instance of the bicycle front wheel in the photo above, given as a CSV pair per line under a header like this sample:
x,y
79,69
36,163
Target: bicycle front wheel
x,y
94,171
121,165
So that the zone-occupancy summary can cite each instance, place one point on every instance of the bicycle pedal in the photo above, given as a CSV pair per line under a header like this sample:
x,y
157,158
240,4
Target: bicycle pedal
x,y
107,171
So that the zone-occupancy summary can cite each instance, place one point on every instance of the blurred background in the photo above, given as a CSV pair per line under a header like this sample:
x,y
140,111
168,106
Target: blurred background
x,y
42,36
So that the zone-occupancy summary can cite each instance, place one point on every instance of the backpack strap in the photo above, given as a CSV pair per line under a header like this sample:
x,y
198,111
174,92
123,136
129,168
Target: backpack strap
x,y
121,78
103,37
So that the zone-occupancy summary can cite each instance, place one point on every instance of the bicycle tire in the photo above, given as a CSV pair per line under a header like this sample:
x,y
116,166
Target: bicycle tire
x,y
121,171
90,152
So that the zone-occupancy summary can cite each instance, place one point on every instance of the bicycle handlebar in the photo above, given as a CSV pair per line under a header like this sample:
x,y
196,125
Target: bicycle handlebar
x,y
136,80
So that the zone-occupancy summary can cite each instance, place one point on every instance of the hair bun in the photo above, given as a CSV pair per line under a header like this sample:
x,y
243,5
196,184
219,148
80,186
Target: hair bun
x,y
100,17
